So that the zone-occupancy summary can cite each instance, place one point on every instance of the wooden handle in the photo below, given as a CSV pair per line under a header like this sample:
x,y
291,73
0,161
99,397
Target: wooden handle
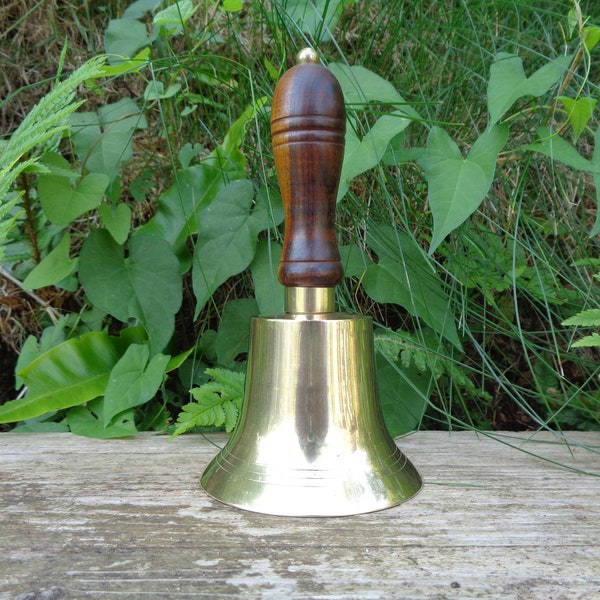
x,y
308,122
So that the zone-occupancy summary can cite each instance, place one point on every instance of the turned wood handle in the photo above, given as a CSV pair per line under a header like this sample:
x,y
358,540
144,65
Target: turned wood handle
x,y
308,122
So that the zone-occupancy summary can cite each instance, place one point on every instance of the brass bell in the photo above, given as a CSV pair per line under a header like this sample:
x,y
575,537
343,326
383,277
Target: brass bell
x,y
311,440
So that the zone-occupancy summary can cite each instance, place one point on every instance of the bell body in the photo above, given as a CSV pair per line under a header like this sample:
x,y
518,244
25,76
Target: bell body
x,y
311,440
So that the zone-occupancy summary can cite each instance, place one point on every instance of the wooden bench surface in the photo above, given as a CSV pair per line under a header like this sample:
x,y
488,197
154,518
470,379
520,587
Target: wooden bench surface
x,y
84,518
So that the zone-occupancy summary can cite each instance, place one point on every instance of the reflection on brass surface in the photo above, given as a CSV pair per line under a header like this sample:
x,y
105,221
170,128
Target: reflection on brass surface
x,y
311,440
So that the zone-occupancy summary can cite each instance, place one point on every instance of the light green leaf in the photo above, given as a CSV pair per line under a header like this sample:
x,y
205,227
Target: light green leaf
x,y
233,5
361,155
216,403
123,37
557,148
133,381
317,18
405,276
579,113
458,185
117,219
585,318
68,374
155,90
174,17
132,65
103,141
63,202
588,341
508,82
590,36
146,285
227,237
269,293
139,8
53,268
361,86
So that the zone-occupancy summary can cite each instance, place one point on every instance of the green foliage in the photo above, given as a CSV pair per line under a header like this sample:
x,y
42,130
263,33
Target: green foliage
x,y
458,186
45,122
508,82
145,285
227,236
216,403
464,198
68,374
586,318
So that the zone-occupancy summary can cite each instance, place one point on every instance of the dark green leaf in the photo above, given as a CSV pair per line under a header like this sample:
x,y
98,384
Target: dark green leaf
x,y
133,381
269,293
403,393
234,330
227,237
146,285
69,374
88,421
405,276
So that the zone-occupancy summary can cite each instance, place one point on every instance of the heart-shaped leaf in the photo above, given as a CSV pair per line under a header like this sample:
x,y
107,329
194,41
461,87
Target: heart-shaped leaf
x,y
195,188
458,185
133,381
361,86
123,37
53,268
63,203
579,113
117,219
103,140
146,285
227,237
508,82
361,155
88,421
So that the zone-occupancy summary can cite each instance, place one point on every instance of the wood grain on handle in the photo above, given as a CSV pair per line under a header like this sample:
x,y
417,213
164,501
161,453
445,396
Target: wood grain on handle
x,y
308,123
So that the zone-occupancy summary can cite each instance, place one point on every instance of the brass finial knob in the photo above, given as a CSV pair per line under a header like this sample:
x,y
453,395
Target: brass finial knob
x,y
307,55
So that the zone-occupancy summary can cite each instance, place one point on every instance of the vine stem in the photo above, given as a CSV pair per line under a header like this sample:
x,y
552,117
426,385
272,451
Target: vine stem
x,y
30,218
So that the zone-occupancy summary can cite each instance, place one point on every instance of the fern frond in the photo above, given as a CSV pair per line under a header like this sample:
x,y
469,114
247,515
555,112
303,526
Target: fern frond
x,y
6,223
425,354
216,403
588,341
585,318
44,121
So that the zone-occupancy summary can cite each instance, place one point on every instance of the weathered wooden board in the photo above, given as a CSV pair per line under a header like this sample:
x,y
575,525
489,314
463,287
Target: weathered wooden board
x,y
84,518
